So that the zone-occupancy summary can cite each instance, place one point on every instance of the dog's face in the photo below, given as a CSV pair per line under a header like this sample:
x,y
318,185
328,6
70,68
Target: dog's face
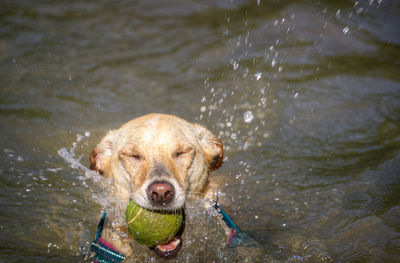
x,y
156,160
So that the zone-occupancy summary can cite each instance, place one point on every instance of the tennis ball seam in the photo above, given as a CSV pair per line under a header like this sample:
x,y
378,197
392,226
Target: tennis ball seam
x,y
133,219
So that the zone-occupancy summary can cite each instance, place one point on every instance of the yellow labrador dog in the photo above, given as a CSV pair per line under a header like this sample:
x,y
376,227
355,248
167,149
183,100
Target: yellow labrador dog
x,y
159,161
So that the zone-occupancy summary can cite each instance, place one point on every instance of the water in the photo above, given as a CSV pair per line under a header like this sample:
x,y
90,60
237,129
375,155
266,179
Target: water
x,y
305,96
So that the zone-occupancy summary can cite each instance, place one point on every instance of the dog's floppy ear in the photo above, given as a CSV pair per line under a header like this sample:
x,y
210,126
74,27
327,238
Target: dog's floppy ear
x,y
101,154
211,145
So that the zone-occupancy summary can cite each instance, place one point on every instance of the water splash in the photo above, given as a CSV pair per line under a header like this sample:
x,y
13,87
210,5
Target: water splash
x,y
87,177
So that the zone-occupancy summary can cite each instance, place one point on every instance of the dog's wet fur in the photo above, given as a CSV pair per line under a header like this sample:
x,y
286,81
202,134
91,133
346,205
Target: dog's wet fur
x,y
159,161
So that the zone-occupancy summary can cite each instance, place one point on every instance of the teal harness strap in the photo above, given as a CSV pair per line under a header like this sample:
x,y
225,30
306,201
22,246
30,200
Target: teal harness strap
x,y
228,221
237,237
100,226
102,251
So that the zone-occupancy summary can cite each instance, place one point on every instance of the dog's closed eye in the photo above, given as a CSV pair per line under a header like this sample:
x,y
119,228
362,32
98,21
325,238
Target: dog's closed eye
x,y
182,152
131,154
136,156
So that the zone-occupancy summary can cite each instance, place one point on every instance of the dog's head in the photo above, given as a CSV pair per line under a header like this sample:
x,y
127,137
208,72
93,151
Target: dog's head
x,y
158,159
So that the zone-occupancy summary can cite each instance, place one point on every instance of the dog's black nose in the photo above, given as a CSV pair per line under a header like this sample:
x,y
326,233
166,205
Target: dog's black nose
x,y
161,193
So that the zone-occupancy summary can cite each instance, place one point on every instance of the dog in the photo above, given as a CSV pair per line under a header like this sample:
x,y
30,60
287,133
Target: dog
x,y
159,161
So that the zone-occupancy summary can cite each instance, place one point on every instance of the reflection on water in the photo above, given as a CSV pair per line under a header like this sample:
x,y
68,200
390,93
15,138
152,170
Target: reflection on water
x,y
304,95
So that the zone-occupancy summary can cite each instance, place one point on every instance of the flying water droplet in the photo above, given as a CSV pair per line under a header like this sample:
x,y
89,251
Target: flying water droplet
x,y
273,62
263,100
338,14
235,65
248,116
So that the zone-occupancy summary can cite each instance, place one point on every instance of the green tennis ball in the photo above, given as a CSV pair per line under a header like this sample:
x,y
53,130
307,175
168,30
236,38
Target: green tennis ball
x,y
152,228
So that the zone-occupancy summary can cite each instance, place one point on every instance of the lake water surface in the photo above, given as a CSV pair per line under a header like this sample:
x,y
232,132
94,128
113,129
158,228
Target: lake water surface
x,y
305,96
